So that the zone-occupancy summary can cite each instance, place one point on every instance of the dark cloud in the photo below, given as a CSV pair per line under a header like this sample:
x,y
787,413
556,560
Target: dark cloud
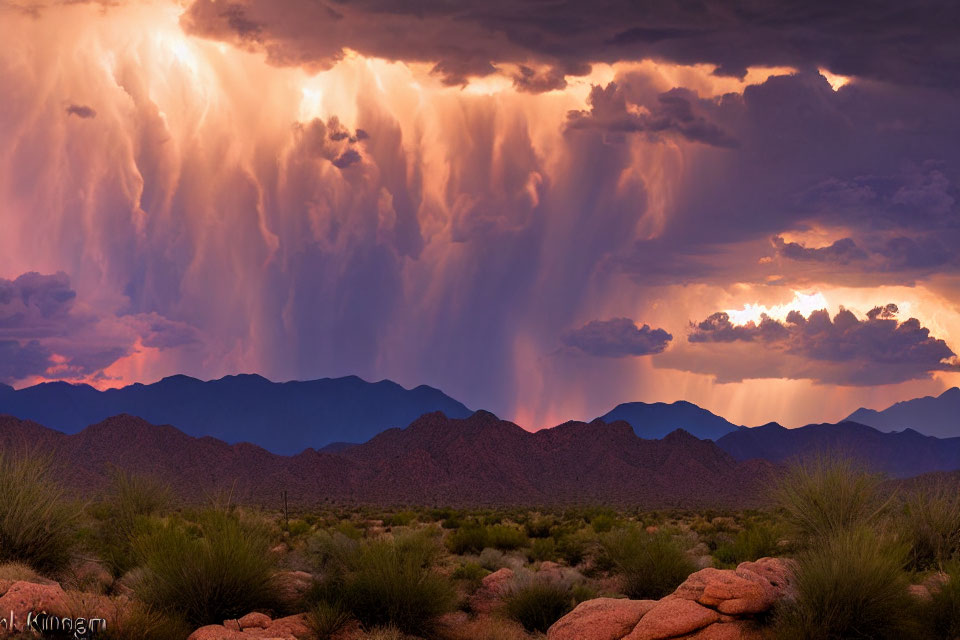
x,y
616,338
347,158
20,360
844,349
81,111
842,251
912,44
329,140
612,111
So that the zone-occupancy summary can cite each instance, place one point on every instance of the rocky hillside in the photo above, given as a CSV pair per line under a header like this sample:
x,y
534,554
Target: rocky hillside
x,y
480,460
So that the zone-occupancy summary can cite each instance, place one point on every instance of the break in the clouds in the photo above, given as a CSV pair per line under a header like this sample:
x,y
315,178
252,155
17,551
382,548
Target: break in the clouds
x,y
616,338
437,193
844,349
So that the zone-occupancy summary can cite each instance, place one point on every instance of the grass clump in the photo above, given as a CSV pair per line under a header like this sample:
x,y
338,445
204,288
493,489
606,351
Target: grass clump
x,y
217,569
387,582
37,523
327,618
942,613
824,496
850,585
755,541
538,604
652,564
931,523
131,501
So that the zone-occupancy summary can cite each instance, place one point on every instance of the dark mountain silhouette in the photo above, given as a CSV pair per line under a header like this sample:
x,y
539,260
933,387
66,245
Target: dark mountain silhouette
x,y
283,417
901,454
935,416
480,460
655,420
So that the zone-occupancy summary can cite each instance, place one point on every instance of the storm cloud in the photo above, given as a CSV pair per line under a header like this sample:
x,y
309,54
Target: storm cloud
x,y
616,338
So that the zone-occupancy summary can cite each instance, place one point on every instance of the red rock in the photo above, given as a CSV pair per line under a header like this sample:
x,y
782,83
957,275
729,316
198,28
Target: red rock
x,y
778,572
216,632
600,619
27,597
726,631
672,617
492,587
296,626
255,621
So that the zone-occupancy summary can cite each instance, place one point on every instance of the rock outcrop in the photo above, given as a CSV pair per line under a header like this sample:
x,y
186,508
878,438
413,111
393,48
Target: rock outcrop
x,y
256,625
711,604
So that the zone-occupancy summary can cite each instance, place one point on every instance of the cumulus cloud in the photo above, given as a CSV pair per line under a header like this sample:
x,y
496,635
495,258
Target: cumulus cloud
x,y
842,251
844,349
616,338
611,110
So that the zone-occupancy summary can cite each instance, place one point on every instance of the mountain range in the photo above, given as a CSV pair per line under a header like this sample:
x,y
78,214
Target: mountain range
x,y
935,416
436,460
656,420
282,417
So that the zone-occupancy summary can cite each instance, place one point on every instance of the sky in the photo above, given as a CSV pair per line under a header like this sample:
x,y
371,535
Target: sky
x,y
543,208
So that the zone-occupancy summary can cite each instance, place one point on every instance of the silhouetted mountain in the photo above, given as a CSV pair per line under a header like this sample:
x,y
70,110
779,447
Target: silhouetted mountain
x,y
902,454
282,417
480,460
659,418
935,416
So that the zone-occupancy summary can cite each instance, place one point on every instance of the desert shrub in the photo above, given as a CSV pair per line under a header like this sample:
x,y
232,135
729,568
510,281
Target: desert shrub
x,y
129,619
297,528
756,541
386,633
941,614
505,538
931,523
17,571
37,523
602,523
492,559
388,582
125,515
327,618
400,519
350,530
849,585
652,564
217,570
538,604
472,574
542,549
467,539
538,527
573,547
823,496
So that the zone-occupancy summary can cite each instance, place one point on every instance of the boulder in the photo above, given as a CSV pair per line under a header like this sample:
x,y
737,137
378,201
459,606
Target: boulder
x,y
255,620
216,632
491,588
292,626
672,617
292,585
600,619
23,598
727,631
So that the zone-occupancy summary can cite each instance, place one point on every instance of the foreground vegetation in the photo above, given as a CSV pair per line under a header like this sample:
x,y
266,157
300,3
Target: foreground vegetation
x,y
166,569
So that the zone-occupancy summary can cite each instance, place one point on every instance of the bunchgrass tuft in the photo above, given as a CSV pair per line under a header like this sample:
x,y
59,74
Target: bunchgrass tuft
x,y
652,564
125,515
931,523
327,618
537,604
218,569
823,496
385,582
849,585
755,541
37,523
941,614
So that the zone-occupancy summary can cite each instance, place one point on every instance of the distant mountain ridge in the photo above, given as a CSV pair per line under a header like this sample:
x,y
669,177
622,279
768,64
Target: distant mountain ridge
x,y
656,420
901,454
436,460
931,415
282,417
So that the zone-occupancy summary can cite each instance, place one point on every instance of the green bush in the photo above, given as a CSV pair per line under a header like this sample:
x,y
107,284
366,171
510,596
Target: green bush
x,y
542,549
931,523
652,565
505,538
219,569
401,519
538,604
327,618
602,523
572,547
388,582
472,574
37,524
468,539
849,585
756,541
823,496
942,613
131,501
538,527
